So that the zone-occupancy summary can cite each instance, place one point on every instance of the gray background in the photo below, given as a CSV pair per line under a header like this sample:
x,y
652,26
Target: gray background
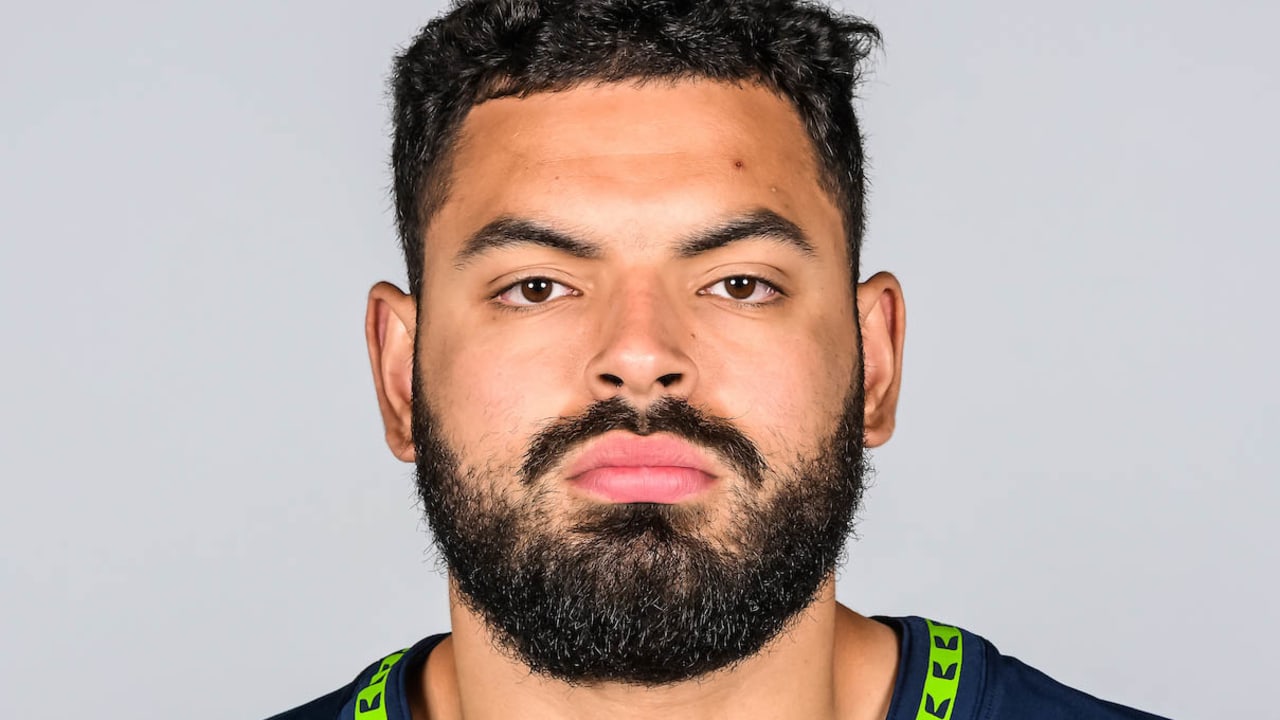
x,y
200,520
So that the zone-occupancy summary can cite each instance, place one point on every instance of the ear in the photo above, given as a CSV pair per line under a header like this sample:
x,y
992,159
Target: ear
x,y
389,327
883,319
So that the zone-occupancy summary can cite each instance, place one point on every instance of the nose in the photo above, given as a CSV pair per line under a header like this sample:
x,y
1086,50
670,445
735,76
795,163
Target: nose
x,y
643,349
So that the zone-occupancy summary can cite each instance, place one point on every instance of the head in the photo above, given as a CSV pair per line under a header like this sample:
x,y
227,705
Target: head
x,y
632,232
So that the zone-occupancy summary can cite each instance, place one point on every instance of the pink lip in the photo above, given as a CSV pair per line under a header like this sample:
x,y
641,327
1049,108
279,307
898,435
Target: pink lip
x,y
627,469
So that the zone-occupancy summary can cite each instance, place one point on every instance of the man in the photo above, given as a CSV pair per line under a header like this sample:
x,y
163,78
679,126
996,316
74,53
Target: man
x,y
637,375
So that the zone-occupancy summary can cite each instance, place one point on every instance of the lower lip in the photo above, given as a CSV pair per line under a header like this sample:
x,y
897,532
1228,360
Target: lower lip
x,y
644,484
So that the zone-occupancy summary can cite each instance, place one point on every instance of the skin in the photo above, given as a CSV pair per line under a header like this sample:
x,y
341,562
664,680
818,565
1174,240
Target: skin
x,y
633,169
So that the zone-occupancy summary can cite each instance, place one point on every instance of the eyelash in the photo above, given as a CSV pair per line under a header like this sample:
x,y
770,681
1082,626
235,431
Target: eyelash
x,y
777,292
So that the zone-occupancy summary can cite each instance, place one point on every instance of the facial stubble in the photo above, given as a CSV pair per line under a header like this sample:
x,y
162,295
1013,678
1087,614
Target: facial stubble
x,y
640,593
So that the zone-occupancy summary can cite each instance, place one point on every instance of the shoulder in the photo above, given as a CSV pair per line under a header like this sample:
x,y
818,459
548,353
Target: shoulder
x,y
1023,691
325,707
379,687
946,671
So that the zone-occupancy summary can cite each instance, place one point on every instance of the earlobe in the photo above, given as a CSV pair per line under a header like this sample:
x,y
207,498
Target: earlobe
x,y
883,319
389,328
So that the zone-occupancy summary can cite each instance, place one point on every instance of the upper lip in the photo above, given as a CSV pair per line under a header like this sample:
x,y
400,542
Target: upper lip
x,y
637,451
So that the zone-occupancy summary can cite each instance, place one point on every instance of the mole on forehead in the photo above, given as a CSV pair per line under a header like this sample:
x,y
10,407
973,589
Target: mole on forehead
x,y
726,134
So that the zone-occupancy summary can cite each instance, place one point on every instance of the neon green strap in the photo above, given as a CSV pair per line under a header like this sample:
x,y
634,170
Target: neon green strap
x,y
943,679
371,702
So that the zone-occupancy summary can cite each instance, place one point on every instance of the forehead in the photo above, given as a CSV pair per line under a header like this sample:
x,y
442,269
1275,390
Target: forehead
x,y
634,161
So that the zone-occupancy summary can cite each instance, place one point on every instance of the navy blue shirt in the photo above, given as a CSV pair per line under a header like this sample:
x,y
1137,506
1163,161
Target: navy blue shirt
x,y
944,673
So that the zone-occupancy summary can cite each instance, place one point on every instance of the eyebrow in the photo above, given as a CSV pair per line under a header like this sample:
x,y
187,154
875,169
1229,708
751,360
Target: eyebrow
x,y
508,231
757,224
754,225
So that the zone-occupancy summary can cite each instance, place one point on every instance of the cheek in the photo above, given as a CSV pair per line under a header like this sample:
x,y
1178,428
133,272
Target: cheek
x,y
786,400
493,391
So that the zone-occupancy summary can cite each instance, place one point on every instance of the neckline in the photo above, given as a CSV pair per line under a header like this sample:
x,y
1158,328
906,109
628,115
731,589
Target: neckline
x,y
923,662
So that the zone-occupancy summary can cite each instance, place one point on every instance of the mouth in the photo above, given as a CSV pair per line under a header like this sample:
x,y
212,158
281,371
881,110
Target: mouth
x,y
632,469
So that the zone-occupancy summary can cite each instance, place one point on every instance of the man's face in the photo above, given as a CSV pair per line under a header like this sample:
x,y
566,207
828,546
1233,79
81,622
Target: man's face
x,y
690,297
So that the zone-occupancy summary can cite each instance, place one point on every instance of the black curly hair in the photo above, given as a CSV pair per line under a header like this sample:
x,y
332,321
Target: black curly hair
x,y
486,49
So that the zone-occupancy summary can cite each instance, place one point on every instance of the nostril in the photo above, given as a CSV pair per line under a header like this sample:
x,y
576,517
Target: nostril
x,y
612,379
669,379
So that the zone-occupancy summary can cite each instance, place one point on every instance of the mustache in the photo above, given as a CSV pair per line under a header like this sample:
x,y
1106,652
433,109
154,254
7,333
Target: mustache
x,y
668,414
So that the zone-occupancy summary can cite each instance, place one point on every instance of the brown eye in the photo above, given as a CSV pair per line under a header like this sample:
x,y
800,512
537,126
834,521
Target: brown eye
x,y
746,289
740,288
532,291
536,290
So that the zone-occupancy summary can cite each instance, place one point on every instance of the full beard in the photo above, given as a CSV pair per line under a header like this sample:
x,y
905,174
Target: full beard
x,y
640,593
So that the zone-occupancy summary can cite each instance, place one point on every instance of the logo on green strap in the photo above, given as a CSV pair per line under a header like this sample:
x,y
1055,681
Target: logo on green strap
x,y
943,679
371,703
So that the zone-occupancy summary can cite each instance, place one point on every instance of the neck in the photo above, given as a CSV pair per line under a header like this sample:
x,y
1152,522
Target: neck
x,y
830,663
